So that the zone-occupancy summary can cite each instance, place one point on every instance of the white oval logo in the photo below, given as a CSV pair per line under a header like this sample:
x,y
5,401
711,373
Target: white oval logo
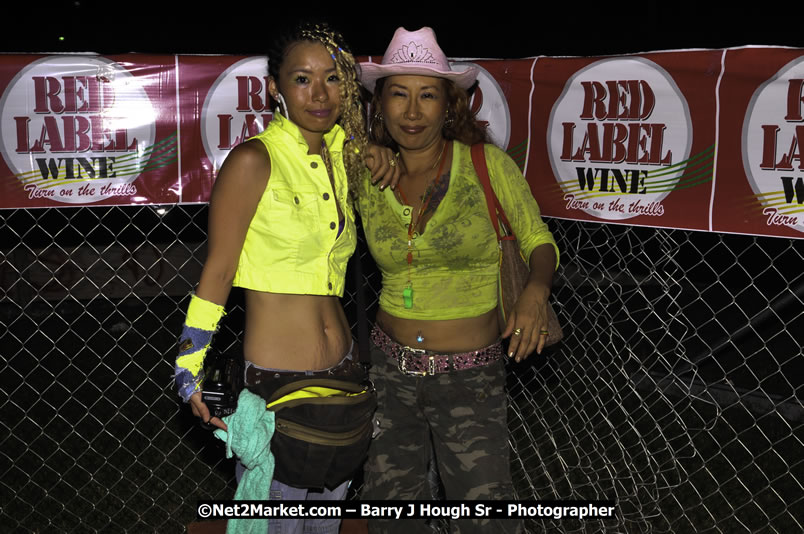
x,y
489,104
77,129
237,107
773,140
619,138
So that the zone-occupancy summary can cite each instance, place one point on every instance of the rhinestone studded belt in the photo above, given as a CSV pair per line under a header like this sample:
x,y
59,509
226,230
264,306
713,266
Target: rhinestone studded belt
x,y
420,362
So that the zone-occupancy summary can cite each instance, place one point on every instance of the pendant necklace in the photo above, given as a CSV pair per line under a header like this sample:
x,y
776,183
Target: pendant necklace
x,y
407,293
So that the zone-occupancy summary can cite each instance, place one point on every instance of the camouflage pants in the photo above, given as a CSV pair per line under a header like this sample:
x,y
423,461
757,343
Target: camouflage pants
x,y
458,419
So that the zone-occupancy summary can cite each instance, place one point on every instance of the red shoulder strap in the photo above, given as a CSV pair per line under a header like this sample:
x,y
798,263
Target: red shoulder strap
x,y
493,204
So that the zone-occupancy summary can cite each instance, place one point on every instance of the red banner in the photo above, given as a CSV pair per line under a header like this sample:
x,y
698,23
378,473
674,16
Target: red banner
x,y
88,130
760,179
224,100
627,140
699,139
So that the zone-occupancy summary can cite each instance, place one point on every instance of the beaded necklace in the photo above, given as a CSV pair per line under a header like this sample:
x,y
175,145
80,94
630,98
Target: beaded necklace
x,y
407,293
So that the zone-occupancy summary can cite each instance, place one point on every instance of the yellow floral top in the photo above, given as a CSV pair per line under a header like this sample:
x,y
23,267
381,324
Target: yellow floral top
x,y
454,270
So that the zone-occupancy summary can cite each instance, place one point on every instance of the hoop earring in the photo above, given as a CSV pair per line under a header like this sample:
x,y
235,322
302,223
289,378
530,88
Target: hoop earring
x,y
449,120
376,118
282,105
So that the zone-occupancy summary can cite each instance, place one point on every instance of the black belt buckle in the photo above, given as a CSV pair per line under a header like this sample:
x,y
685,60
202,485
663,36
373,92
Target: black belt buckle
x,y
402,362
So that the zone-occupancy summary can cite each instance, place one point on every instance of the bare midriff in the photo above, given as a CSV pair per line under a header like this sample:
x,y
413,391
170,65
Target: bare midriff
x,y
446,336
295,332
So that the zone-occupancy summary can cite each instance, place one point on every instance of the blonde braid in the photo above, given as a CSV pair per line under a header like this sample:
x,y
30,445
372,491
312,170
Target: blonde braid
x,y
352,119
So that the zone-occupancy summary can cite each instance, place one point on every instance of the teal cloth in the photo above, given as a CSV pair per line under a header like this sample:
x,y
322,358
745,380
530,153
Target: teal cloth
x,y
249,437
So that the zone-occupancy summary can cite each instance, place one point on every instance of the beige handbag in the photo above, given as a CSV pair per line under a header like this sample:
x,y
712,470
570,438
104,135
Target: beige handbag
x,y
514,270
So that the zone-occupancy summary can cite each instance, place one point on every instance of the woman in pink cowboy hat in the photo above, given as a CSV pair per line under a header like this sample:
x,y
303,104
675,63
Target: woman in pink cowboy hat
x,y
437,356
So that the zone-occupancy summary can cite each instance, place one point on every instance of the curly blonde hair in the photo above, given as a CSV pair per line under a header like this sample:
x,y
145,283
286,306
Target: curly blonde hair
x,y
352,118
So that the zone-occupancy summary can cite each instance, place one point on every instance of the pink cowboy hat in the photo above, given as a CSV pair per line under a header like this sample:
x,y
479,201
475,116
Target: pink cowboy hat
x,y
415,53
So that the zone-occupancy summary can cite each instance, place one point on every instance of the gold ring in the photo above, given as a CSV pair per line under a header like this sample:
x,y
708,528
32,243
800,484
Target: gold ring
x,y
544,332
392,163
517,331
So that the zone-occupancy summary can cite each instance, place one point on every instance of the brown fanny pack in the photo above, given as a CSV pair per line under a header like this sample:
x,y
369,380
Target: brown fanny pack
x,y
323,427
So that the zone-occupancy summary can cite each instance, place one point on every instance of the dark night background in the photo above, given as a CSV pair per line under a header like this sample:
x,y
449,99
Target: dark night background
x,y
489,30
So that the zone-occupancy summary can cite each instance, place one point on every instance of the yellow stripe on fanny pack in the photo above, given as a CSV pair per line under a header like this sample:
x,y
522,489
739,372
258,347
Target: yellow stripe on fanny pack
x,y
314,392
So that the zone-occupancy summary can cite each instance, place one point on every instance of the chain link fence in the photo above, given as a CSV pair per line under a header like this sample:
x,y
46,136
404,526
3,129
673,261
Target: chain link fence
x,y
677,391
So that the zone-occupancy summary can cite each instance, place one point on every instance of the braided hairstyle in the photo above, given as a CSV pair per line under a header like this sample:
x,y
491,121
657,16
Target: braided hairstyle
x,y
352,114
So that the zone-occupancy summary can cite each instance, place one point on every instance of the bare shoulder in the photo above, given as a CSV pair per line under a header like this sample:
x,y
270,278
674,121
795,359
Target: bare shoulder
x,y
248,164
242,179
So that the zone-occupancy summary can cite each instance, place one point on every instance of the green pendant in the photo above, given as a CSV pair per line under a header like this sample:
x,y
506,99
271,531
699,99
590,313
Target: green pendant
x,y
407,296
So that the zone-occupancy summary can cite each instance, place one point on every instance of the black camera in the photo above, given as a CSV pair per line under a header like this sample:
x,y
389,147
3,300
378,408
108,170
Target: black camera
x,y
222,384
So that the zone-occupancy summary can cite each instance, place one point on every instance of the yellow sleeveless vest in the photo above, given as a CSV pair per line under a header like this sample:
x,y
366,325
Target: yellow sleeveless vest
x,y
292,244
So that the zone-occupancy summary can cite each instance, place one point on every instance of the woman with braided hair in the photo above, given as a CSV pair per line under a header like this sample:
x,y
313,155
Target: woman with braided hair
x,y
282,226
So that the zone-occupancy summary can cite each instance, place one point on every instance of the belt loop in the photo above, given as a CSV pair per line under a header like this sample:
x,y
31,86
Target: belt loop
x,y
431,368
